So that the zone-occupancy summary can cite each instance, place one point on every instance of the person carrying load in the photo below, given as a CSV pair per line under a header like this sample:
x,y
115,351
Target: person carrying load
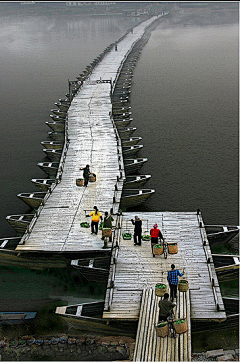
x,y
96,216
155,235
107,223
86,174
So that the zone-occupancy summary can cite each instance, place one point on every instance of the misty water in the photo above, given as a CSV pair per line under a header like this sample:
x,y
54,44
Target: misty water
x,y
184,102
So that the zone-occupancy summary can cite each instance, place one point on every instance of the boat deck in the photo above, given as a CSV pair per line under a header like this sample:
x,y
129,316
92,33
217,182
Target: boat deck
x,y
135,269
92,140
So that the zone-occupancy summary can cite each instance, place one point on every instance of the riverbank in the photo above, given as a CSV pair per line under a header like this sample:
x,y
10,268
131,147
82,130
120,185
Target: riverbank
x,y
84,347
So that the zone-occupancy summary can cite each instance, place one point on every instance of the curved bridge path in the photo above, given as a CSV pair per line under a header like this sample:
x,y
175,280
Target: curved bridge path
x,y
93,141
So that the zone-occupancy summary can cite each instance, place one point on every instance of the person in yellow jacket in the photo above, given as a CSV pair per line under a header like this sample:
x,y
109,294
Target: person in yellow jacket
x,y
96,216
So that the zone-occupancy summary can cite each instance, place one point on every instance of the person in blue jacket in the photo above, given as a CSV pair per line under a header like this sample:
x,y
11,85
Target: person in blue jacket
x,y
172,279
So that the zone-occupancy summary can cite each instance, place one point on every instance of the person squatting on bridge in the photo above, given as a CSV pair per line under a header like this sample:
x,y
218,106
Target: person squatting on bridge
x,y
86,173
155,234
165,308
172,279
96,216
137,237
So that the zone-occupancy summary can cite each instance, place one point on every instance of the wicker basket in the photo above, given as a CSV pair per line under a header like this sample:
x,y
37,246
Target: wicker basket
x,y
79,181
183,285
162,331
157,250
106,232
160,291
92,178
172,248
180,328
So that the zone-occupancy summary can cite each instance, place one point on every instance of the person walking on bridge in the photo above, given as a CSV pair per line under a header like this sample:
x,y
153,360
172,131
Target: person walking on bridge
x,y
172,279
165,308
155,236
137,230
96,216
86,173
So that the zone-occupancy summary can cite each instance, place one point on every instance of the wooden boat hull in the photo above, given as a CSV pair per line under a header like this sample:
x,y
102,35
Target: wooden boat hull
x,y
62,107
130,141
57,118
59,113
123,123
76,317
125,133
9,318
34,200
9,243
52,145
43,184
135,199
57,136
56,126
50,168
221,233
131,151
135,181
96,269
133,165
20,223
53,155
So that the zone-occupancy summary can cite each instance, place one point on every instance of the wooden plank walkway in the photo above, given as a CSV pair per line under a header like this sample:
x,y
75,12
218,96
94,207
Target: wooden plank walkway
x,y
135,269
150,347
92,140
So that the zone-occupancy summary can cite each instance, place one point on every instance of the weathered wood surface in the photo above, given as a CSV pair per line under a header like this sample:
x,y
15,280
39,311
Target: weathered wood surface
x,y
150,347
136,269
92,141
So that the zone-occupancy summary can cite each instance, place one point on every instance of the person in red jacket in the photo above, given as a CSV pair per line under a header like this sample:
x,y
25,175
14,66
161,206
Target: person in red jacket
x,y
155,236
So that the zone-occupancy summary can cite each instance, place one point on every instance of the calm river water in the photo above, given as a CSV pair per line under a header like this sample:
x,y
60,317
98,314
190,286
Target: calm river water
x,y
184,103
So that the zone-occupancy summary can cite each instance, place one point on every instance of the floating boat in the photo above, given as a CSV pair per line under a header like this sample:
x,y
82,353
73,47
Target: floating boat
x,y
20,223
56,126
226,266
64,101
57,118
53,145
62,107
120,109
8,318
43,184
135,181
127,132
59,113
34,199
130,151
57,136
121,114
50,168
135,197
130,141
88,317
221,233
92,309
231,305
132,165
53,155
10,243
122,123
96,269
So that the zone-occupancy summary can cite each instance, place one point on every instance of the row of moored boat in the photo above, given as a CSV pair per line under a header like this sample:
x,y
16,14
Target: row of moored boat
x,y
55,148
